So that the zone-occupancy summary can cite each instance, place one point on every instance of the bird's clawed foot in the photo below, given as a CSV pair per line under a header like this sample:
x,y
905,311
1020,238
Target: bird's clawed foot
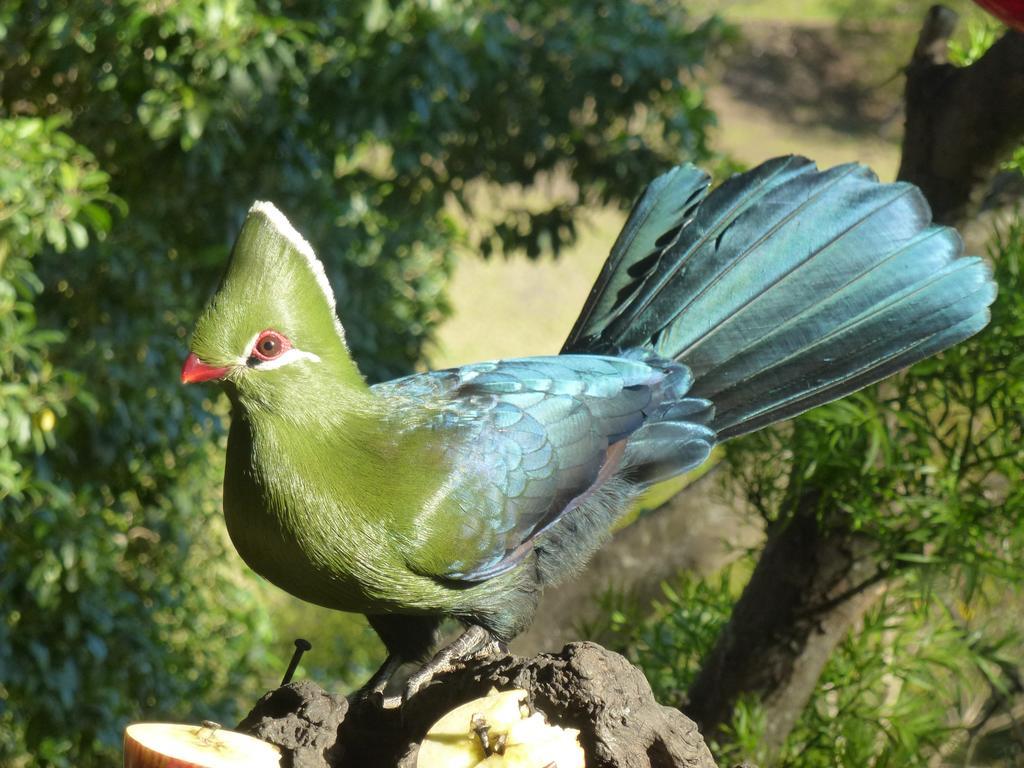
x,y
374,688
475,643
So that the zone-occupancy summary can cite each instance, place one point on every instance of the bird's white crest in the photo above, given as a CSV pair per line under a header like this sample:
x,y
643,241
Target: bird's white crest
x,y
284,228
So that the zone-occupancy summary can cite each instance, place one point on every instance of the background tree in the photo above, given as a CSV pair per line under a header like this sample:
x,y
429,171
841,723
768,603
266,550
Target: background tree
x,y
906,494
135,136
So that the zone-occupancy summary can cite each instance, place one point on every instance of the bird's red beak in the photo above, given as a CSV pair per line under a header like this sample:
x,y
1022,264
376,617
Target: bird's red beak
x,y
195,370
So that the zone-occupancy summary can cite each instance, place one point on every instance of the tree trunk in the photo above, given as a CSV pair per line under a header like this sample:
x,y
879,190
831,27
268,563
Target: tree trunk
x,y
585,687
962,122
811,584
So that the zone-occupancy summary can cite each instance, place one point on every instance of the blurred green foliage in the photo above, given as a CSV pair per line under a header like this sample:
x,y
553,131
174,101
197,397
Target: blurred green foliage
x,y
977,37
135,135
668,638
366,122
928,464
112,585
873,13
916,683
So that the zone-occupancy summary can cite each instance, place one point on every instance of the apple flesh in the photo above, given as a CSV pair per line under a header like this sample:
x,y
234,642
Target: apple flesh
x,y
527,740
173,745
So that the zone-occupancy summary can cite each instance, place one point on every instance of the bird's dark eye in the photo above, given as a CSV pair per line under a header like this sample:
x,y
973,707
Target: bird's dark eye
x,y
269,345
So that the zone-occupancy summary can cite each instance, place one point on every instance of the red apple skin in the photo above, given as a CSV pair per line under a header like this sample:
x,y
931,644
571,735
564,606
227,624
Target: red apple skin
x,y
138,756
1010,12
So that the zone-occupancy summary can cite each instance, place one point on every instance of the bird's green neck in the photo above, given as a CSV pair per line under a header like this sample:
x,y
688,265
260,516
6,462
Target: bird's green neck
x,y
303,493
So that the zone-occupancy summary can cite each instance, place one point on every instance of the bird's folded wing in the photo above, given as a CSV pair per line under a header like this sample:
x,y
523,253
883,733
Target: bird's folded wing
x,y
531,439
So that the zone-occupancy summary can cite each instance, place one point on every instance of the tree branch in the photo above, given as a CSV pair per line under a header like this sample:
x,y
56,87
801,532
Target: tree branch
x,y
962,122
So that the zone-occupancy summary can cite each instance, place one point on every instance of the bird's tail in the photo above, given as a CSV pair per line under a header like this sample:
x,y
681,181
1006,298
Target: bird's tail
x,y
784,288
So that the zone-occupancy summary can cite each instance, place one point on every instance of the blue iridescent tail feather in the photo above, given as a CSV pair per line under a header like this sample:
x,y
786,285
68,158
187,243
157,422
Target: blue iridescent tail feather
x,y
784,288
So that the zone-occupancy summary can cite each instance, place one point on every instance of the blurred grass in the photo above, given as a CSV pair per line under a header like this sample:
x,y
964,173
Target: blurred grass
x,y
514,307
802,11
830,11
749,138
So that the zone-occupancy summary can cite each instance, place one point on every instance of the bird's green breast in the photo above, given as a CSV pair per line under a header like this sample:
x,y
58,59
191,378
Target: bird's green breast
x,y
323,511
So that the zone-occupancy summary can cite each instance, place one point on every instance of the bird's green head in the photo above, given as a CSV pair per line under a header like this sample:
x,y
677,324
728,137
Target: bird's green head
x,y
270,332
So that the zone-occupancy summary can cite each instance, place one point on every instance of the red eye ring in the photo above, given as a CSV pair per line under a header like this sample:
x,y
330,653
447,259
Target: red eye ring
x,y
270,345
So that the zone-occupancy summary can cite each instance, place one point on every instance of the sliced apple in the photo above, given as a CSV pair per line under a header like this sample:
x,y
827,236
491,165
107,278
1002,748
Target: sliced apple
x,y
526,740
174,745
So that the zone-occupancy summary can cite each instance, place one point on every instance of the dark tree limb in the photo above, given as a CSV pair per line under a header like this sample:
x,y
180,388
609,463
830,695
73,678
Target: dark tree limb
x,y
584,687
812,582
962,122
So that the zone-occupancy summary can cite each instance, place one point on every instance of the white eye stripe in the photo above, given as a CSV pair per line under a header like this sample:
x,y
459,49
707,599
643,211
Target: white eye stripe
x,y
293,355
244,357
290,356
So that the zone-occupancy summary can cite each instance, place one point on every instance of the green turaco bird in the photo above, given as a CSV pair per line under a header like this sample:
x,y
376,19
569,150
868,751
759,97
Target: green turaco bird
x,y
464,493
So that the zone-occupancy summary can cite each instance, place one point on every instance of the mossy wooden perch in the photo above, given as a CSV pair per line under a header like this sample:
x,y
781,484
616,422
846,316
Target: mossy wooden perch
x,y
584,686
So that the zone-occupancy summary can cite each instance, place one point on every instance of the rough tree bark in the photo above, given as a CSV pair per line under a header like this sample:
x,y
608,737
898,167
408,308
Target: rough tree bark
x,y
816,578
962,122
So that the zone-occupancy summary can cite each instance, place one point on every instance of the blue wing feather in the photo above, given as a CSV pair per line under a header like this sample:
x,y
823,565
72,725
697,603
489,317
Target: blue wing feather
x,y
530,437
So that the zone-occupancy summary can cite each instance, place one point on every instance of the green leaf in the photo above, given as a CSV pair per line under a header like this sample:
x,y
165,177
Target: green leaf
x,y
56,235
98,216
79,234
